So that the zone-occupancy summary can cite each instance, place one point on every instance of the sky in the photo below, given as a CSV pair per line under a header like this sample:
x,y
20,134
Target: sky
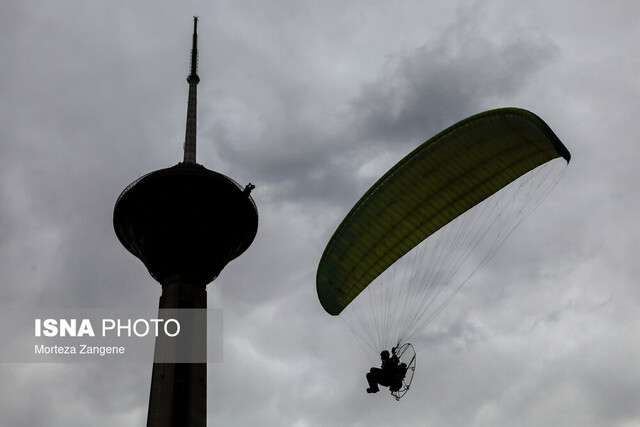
x,y
312,102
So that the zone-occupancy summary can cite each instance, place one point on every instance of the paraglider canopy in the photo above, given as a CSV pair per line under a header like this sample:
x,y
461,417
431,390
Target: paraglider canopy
x,y
436,183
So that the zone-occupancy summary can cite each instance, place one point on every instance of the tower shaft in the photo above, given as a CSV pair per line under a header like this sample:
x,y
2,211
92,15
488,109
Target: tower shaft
x,y
179,390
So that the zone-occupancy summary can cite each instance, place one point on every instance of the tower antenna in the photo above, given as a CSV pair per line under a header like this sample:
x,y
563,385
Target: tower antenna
x,y
193,80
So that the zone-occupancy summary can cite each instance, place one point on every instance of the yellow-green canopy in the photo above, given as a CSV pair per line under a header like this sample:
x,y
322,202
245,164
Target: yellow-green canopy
x,y
438,181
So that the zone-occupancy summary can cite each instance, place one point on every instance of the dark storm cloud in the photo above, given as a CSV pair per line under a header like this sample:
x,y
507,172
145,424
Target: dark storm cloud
x,y
452,78
305,151
298,162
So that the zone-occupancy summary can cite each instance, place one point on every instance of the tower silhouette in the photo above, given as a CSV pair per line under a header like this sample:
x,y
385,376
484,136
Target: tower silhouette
x,y
185,223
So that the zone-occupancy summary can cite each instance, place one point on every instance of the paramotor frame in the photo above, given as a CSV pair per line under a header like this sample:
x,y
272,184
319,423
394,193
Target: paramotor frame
x,y
406,354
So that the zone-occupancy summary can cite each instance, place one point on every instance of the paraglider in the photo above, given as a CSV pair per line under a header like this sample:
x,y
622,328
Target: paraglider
x,y
395,372
437,216
389,374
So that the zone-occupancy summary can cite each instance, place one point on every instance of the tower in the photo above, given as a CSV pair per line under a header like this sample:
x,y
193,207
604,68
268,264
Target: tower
x,y
185,223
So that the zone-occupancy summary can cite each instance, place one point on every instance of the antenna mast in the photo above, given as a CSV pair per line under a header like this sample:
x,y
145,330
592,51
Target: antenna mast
x,y
193,80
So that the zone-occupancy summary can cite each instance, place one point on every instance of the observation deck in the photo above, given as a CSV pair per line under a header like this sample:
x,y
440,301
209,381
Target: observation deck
x,y
185,221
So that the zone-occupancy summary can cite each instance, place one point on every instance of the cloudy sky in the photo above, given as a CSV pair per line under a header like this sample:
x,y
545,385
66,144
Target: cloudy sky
x,y
312,101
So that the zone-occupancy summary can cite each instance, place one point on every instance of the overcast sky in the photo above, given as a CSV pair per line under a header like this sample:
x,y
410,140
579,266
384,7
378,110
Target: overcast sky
x,y
312,102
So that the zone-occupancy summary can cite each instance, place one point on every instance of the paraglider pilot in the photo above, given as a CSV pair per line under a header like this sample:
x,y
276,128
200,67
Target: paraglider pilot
x,y
390,374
